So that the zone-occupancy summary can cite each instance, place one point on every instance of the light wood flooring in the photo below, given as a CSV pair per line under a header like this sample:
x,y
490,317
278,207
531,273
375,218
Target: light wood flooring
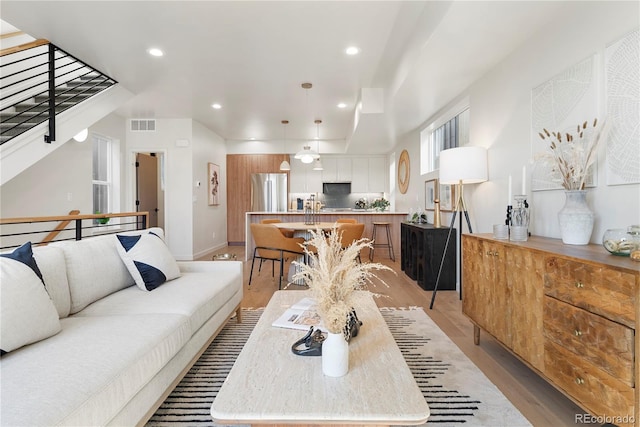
x,y
538,401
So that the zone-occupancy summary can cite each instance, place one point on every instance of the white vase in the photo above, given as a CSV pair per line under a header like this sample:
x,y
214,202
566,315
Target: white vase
x,y
335,355
576,218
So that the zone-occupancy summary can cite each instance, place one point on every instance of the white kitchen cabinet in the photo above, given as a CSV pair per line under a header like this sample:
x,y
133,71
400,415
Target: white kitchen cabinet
x,y
377,175
303,179
336,169
360,175
369,175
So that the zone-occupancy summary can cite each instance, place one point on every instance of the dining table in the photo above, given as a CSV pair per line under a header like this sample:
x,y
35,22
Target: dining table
x,y
302,228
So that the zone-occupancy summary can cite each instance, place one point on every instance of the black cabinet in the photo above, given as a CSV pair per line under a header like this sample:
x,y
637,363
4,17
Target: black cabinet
x,y
421,249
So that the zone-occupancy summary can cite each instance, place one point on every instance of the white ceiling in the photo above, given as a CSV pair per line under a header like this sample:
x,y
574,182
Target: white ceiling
x,y
252,57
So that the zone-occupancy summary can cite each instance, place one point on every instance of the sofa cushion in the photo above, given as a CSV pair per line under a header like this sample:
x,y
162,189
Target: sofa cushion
x,y
197,294
27,314
89,371
94,269
51,262
148,260
24,254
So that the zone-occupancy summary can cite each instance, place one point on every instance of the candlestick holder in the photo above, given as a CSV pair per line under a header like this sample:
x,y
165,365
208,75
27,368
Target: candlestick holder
x,y
507,221
310,211
520,219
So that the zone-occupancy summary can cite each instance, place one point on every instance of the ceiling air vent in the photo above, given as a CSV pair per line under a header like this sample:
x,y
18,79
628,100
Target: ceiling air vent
x,y
143,125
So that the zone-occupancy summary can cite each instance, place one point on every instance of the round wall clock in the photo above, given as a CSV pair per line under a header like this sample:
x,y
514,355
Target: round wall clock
x,y
404,171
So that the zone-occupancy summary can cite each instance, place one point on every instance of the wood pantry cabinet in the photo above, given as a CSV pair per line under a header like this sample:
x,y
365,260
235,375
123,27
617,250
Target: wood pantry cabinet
x,y
569,312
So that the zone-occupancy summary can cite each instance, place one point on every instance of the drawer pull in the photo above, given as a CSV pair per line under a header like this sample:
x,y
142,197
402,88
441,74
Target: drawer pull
x,y
577,333
579,381
579,285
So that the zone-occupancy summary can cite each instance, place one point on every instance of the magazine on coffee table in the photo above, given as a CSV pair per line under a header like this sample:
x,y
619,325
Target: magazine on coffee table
x,y
301,315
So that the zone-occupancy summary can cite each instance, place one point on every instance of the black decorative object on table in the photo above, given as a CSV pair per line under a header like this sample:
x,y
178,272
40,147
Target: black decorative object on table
x,y
312,343
352,327
508,220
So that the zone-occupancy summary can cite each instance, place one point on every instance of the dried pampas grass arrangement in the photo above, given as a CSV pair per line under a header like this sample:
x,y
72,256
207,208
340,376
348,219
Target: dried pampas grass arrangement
x,y
333,274
572,155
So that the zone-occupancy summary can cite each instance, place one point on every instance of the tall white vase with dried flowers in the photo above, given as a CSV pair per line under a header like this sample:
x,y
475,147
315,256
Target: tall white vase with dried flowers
x,y
333,275
571,156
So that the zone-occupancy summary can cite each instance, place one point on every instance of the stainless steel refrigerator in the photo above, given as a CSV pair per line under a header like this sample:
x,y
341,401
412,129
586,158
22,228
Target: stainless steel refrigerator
x,y
269,192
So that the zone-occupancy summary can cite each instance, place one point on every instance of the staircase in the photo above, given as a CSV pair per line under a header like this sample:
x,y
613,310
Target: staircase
x,y
46,97
26,114
40,82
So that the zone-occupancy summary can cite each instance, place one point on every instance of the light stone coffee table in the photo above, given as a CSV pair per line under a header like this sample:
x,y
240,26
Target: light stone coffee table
x,y
270,385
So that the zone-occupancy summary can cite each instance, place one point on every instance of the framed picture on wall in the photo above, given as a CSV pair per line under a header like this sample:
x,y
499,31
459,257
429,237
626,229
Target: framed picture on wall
x,y
430,194
214,184
447,197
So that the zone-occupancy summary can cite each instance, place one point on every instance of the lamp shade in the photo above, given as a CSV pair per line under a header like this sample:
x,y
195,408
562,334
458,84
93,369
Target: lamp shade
x,y
463,164
285,166
82,135
307,155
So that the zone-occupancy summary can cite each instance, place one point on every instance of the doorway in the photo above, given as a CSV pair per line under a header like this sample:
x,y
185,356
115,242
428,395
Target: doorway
x,y
149,194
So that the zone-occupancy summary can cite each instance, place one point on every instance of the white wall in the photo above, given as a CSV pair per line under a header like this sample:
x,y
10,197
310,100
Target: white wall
x,y
209,222
500,119
178,179
44,189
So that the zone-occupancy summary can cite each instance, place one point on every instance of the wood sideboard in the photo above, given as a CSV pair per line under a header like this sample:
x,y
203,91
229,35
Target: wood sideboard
x,y
569,312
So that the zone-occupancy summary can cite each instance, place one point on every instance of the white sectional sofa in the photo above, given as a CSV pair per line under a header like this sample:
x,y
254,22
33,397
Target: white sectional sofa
x,y
120,349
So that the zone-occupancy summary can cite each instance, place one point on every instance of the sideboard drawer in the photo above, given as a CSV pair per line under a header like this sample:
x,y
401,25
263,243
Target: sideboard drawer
x,y
594,339
605,291
601,393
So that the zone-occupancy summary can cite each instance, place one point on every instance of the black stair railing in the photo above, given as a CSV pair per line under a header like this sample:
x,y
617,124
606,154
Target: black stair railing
x,y
39,82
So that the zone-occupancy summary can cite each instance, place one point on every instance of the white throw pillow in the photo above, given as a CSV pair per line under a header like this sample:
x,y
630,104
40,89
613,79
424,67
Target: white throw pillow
x,y
27,313
148,260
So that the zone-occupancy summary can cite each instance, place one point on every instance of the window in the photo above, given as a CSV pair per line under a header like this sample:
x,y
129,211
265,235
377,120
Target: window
x,y
106,174
450,134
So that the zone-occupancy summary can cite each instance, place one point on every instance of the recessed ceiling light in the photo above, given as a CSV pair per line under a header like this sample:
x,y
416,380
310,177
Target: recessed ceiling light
x,y
155,52
216,106
342,105
352,50
252,138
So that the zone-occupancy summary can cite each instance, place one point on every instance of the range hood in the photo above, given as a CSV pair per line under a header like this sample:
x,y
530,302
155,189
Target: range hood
x,y
336,188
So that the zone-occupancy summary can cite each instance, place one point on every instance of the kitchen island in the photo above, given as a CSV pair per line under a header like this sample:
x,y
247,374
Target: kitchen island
x,y
365,216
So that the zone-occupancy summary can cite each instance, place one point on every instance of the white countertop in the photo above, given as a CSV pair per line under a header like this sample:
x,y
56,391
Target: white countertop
x,y
331,212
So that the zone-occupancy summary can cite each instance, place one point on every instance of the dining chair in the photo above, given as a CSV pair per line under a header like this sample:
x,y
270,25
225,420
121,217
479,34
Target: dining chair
x,y
349,233
285,231
346,221
272,245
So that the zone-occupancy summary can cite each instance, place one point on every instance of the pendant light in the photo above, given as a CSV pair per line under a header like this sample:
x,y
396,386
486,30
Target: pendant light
x,y
284,166
306,155
317,165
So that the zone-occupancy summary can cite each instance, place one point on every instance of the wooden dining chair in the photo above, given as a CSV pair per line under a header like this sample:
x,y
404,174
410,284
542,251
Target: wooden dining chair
x,y
272,245
349,233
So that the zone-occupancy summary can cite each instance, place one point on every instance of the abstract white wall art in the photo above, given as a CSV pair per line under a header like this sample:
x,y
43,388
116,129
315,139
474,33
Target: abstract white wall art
x,y
622,67
560,104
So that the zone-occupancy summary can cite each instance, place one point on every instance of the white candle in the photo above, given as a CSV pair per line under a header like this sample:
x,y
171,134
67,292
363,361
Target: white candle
x,y
509,199
524,179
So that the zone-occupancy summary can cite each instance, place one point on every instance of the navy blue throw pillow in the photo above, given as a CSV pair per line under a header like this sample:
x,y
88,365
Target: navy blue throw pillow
x,y
24,254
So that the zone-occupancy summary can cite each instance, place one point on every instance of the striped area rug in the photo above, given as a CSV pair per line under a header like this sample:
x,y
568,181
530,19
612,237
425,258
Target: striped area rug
x,y
457,392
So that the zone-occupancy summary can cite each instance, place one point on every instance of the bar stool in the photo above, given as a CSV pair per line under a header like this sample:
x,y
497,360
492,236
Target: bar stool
x,y
388,244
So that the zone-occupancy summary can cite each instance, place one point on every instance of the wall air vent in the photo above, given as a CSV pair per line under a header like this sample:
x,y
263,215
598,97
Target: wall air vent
x,y
143,125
